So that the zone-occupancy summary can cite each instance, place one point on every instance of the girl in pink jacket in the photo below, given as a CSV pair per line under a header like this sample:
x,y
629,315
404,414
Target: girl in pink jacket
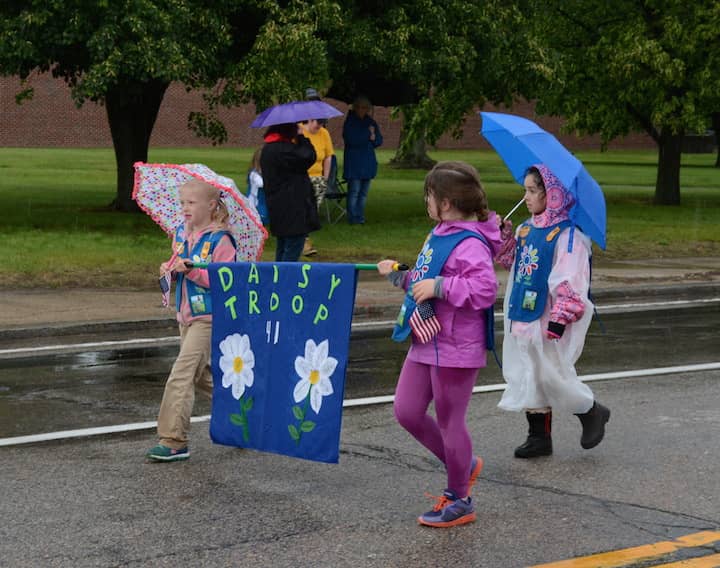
x,y
448,291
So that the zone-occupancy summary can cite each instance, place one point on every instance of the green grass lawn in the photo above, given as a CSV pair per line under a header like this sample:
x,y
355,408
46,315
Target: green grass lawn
x,y
58,230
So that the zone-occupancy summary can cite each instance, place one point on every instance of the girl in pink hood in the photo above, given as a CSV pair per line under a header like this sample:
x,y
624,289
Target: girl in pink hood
x,y
547,315
448,291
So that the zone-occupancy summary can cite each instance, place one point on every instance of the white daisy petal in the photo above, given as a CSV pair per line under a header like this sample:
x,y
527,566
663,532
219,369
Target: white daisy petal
x,y
321,353
233,346
244,344
249,359
303,367
238,389
310,348
226,363
224,346
328,366
301,390
227,379
248,378
316,400
324,387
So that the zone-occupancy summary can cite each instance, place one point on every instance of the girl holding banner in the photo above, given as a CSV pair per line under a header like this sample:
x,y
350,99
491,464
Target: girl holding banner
x,y
448,291
204,237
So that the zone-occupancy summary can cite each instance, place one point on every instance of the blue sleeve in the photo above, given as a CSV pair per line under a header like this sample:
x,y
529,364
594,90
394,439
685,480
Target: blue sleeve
x,y
378,135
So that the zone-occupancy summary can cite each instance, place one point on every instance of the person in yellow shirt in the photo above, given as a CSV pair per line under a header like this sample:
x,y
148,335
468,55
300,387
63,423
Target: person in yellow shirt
x,y
320,170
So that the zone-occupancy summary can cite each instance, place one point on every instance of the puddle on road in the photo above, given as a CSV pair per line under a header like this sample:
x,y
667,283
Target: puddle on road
x,y
101,388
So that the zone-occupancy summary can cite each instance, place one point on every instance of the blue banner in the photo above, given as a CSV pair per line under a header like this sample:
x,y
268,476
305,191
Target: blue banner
x,y
280,339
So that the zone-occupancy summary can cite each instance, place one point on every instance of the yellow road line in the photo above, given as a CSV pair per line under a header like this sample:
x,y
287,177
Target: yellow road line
x,y
712,561
627,556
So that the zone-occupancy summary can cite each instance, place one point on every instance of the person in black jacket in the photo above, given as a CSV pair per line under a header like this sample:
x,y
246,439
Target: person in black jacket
x,y
285,159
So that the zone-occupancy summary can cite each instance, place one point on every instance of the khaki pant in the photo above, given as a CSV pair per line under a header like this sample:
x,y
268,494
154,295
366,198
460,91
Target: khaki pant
x,y
191,370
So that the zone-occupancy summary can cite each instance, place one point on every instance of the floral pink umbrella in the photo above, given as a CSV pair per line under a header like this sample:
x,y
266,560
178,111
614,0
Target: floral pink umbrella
x,y
156,191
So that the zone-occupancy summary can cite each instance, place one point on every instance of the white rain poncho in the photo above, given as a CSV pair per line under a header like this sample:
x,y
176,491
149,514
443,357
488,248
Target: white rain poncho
x,y
540,372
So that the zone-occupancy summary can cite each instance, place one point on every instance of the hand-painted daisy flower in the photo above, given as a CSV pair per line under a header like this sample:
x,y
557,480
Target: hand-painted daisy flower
x,y
528,260
314,370
237,362
421,264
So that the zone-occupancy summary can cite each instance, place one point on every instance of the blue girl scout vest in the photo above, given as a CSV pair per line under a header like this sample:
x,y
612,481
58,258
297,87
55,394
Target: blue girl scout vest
x,y
199,297
533,262
430,261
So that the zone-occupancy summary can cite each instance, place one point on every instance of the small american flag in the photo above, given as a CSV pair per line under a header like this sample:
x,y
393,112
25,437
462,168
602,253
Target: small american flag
x,y
164,282
423,322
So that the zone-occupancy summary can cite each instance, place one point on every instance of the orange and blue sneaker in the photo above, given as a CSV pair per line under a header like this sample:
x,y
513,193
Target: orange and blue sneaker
x,y
449,511
165,454
475,468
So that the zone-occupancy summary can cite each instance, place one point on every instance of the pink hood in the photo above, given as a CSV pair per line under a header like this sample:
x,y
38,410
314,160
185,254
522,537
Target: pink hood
x,y
559,200
488,229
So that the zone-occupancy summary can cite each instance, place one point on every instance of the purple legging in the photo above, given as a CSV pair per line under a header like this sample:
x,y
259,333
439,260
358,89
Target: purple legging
x,y
447,437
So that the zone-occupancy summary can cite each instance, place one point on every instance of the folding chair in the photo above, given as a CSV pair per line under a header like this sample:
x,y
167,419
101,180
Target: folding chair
x,y
335,195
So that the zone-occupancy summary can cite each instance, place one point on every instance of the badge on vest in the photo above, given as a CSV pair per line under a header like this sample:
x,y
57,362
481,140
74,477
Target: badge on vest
x,y
552,234
205,250
197,303
529,299
401,315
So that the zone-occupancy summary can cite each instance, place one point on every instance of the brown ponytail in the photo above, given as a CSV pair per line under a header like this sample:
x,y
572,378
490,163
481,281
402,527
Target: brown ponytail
x,y
460,184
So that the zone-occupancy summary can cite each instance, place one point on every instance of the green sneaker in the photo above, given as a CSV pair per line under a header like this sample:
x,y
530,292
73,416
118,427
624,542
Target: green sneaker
x,y
165,454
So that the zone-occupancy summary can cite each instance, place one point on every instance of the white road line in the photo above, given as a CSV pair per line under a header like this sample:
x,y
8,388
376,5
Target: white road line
x,y
357,326
66,434
367,401
673,303
90,345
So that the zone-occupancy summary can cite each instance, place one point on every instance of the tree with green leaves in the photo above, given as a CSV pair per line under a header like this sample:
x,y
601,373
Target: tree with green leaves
x,y
620,66
433,60
125,53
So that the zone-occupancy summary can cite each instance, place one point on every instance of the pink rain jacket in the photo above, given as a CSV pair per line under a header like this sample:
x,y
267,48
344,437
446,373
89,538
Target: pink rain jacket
x,y
469,286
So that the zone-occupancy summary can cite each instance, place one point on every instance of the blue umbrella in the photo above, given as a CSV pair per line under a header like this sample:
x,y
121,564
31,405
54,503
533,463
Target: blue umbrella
x,y
295,111
521,143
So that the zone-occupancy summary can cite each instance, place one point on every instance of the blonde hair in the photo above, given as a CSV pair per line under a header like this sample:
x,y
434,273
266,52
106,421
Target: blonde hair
x,y
255,161
220,216
460,184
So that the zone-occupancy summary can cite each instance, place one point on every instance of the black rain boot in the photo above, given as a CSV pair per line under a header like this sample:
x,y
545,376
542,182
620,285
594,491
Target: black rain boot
x,y
539,440
593,425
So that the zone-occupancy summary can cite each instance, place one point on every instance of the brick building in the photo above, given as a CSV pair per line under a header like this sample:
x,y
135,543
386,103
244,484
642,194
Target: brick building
x,y
51,119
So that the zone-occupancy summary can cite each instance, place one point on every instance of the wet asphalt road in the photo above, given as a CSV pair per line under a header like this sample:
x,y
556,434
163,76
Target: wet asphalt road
x,y
95,502
116,386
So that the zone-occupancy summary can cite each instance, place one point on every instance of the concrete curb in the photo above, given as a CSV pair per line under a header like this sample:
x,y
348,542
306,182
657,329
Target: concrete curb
x,y
370,312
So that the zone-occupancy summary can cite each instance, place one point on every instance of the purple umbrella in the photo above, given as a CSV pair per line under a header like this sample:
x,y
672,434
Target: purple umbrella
x,y
295,111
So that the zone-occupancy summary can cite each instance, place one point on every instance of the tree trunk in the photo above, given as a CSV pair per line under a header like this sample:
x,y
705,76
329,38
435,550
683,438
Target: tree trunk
x,y
716,127
415,157
132,110
667,186
411,154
